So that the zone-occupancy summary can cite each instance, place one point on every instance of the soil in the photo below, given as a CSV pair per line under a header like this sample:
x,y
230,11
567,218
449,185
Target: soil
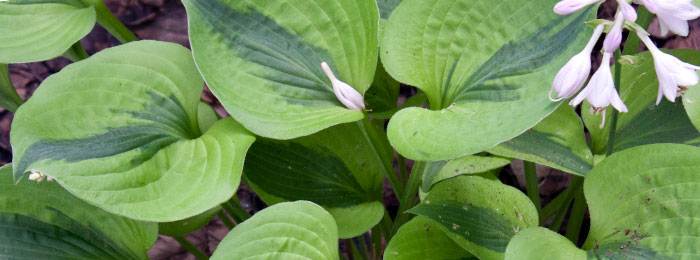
x,y
165,20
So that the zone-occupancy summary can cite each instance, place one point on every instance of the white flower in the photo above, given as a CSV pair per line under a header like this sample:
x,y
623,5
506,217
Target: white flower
x,y
674,75
600,91
344,92
571,77
566,7
614,38
673,14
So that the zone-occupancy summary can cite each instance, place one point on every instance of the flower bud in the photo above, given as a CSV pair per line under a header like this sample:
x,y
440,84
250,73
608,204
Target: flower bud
x,y
344,92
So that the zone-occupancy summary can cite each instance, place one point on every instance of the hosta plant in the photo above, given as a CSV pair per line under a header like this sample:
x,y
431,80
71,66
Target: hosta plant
x,y
118,147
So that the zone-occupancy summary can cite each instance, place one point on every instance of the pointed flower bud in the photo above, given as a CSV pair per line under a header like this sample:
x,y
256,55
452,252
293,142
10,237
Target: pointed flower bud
x,y
344,92
614,37
627,10
566,7
600,91
673,14
571,77
674,75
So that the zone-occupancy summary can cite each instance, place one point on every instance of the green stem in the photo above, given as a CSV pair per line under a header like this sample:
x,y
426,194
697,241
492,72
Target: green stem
x,y
378,145
191,248
376,240
533,188
409,194
615,113
116,28
362,246
224,218
644,18
552,207
402,169
238,213
76,52
569,194
237,204
352,250
387,226
573,229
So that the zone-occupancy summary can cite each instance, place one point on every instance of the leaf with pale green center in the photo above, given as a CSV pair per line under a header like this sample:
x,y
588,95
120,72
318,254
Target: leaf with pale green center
x,y
37,30
336,168
486,67
481,215
470,164
421,239
44,221
8,95
558,142
643,204
262,59
120,131
645,123
289,230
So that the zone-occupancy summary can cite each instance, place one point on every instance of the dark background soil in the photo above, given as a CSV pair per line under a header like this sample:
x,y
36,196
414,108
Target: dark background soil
x,y
165,20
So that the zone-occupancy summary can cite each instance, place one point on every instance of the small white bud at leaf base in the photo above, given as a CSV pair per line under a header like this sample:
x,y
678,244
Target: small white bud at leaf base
x,y
34,176
600,91
673,14
566,7
614,38
627,10
671,71
345,93
573,75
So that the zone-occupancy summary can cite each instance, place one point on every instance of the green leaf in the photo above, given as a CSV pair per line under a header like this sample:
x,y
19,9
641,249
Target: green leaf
x,y
120,131
558,142
538,242
37,30
262,59
481,215
421,239
645,123
383,95
471,164
290,230
188,225
646,198
336,168
486,67
692,107
8,95
44,221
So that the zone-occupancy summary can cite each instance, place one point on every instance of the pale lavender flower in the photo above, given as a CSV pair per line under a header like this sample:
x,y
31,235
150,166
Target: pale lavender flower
x,y
673,14
344,92
566,7
600,91
628,11
614,38
573,75
674,75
